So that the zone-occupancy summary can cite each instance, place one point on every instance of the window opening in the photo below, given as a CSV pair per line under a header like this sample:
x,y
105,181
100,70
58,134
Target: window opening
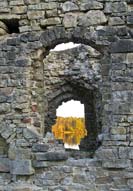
x,y
70,124
12,25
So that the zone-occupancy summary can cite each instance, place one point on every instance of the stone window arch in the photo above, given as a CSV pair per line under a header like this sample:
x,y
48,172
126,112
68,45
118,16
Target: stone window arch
x,y
39,100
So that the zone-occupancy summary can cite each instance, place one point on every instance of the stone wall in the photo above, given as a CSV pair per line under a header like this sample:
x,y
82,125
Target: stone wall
x,y
28,30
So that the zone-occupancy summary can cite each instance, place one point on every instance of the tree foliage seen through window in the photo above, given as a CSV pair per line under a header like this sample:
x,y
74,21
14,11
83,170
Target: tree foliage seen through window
x,y
69,129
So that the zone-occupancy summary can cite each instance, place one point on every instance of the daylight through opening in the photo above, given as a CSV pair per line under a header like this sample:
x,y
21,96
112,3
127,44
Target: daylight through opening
x,y
70,124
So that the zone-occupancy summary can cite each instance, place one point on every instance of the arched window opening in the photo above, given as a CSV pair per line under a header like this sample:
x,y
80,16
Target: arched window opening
x,y
70,124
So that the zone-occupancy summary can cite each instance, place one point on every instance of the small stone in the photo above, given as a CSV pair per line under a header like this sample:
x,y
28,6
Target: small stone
x,y
70,20
4,165
30,134
69,6
88,5
122,46
51,21
35,15
52,156
93,17
117,163
4,108
40,147
114,21
114,7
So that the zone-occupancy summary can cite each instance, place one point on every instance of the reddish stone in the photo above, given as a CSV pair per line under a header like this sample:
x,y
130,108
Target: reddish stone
x,y
26,120
34,108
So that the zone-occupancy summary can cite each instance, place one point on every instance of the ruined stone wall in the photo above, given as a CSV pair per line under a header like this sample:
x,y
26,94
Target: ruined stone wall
x,y
28,30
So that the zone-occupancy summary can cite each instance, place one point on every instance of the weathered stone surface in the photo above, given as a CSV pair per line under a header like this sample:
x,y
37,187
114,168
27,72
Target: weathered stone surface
x,y
4,108
115,7
130,20
21,167
92,18
70,20
51,21
36,14
116,21
69,6
88,5
118,164
4,165
122,46
40,147
30,134
52,156
19,153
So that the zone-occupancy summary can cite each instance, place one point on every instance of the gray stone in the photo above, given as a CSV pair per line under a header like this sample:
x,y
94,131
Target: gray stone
x,y
130,20
4,108
122,46
69,6
52,156
4,165
21,167
51,21
88,5
115,7
70,20
116,164
40,147
30,134
93,17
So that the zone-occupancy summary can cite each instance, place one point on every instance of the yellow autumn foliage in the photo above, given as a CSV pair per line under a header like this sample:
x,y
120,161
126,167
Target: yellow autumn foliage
x,y
70,129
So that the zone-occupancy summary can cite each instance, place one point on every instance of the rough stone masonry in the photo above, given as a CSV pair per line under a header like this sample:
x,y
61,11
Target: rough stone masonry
x,y
30,159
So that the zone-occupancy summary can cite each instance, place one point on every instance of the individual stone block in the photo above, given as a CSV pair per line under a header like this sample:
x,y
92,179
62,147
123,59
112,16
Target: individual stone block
x,y
131,153
19,153
94,17
114,21
21,167
122,46
43,6
124,152
35,15
38,147
130,20
115,7
119,131
4,165
52,13
107,153
16,2
70,20
30,134
40,164
90,5
69,6
19,9
51,21
51,156
117,163
4,108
